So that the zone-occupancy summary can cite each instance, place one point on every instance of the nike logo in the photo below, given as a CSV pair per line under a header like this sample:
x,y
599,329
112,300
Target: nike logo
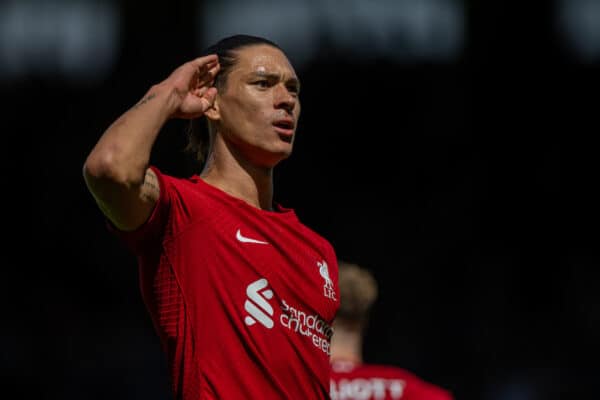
x,y
244,239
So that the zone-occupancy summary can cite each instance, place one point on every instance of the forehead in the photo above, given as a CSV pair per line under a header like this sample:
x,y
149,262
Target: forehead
x,y
263,58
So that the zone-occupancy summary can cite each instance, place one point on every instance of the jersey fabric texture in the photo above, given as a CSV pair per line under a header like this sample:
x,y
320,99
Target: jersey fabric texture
x,y
242,298
353,381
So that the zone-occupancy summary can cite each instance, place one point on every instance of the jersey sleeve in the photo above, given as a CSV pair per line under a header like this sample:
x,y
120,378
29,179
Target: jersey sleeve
x,y
433,392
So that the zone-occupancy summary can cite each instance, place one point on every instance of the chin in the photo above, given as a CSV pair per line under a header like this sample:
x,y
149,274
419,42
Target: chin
x,y
276,157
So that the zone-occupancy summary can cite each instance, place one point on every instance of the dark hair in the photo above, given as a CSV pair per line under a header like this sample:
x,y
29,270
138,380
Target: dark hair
x,y
225,49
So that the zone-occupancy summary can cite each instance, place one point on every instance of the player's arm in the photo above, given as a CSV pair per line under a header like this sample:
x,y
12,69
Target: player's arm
x,y
116,170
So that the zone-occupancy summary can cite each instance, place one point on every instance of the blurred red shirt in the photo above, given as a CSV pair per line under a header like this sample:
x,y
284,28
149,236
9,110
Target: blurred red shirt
x,y
355,381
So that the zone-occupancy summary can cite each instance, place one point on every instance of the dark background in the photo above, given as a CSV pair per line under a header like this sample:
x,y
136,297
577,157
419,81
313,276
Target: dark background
x,y
469,188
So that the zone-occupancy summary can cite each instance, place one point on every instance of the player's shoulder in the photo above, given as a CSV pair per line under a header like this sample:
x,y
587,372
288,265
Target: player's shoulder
x,y
310,231
175,179
415,385
421,388
177,183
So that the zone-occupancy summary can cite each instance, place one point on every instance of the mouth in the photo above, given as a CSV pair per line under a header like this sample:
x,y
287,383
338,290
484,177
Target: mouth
x,y
285,128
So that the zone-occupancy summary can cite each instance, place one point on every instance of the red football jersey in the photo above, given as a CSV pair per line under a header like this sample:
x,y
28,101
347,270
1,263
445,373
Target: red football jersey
x,y
351,381
242,298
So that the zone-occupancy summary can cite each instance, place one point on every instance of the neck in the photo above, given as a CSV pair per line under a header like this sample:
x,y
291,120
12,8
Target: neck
x,y
239,177
346,344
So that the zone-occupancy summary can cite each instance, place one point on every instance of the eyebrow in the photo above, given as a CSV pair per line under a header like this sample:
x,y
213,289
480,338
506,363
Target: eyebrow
x,y
274,76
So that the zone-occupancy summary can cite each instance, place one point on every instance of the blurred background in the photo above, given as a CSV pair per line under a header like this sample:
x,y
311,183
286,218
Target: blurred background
x,y
447,145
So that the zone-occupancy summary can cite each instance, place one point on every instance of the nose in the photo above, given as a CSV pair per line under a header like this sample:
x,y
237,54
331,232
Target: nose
x,y
284,99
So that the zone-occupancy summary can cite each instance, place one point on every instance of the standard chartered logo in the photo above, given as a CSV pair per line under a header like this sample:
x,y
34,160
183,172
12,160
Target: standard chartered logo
x,y
257,305
311,326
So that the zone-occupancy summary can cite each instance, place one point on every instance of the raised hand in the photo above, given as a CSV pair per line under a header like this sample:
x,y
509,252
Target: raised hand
x,y
192,83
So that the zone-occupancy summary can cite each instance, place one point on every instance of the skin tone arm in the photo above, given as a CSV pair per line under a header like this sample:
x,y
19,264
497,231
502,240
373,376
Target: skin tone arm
x,y
116,170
